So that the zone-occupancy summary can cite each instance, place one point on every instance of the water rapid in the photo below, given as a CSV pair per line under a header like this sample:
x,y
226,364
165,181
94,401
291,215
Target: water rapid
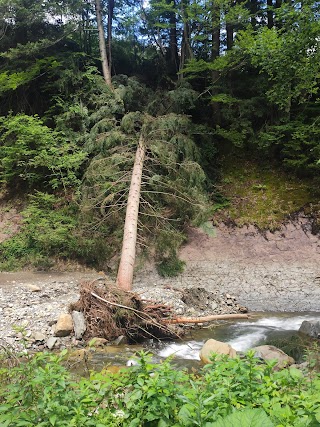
x,y
241,335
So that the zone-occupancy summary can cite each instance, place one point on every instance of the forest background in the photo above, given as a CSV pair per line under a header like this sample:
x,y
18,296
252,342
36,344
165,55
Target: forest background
x,y
224,92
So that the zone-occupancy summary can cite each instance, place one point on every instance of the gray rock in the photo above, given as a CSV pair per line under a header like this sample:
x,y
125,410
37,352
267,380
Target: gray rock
x,y
301,366
33,288
311,328
214,305
51,342
269,352
52,322
38,337
120,340
79,324
64,326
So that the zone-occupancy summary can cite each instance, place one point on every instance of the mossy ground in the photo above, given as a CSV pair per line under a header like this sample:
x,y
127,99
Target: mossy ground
x,y
260,193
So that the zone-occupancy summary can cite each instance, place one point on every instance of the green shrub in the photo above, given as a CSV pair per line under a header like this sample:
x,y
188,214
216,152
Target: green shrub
x,y
228,392
51,230
42,393
170,267
33,153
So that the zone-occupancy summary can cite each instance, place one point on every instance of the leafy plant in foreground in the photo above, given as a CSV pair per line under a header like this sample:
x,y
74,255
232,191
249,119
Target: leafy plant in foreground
x,y
239,393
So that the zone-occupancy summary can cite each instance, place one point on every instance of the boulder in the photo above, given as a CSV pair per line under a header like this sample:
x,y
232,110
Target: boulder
x,y
79,355
218,347
64,326
269,352
79,324
310,328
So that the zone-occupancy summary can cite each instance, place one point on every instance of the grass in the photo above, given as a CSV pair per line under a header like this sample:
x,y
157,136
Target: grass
x,y
260,194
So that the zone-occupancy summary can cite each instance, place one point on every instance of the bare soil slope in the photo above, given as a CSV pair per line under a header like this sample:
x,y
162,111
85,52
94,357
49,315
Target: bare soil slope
x,y
265,271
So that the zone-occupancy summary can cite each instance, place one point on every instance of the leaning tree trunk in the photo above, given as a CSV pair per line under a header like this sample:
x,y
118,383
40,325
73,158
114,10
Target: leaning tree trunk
x,y
128,253
102,45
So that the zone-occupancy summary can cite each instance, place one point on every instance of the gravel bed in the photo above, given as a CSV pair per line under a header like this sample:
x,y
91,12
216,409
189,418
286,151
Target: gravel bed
x,y
30,305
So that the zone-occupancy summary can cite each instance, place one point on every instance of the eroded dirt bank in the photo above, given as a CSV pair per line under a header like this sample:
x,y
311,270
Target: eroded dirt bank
x,y
266,272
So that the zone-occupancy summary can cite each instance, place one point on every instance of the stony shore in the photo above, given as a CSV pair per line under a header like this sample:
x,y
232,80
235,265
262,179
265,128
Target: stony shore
x,y
265,272
31,303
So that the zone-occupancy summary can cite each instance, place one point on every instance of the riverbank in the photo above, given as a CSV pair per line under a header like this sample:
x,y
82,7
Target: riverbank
x,y
30,304
277,271
235,266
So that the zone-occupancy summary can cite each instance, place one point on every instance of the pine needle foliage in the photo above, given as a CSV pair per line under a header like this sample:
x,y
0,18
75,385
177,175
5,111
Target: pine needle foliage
x,y
173,184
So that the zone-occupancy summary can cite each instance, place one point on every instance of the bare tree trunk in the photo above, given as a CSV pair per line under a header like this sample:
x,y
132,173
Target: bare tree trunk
x,y
215,53
186,50
174,56
278,22
110,18
102,45
229,30
254,10
270,14
128,253
173,43
205,318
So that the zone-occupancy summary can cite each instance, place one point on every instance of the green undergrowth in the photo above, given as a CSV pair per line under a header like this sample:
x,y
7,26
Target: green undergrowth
x,y
51,231
41,392
251,192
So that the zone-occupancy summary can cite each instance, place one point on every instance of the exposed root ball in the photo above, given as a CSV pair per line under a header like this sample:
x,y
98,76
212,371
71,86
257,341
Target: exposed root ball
x,y
111,312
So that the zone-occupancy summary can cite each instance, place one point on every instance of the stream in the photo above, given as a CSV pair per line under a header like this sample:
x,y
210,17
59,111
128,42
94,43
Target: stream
x,y
278,329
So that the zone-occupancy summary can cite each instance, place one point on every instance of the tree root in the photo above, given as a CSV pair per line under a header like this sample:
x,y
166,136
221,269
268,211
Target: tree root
x,y
111,312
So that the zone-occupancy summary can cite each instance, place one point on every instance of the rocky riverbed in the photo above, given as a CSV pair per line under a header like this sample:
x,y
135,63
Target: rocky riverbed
x,y
237,267
31,303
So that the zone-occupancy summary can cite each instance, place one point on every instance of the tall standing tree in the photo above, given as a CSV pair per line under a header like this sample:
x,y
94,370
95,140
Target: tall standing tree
x,y
102,45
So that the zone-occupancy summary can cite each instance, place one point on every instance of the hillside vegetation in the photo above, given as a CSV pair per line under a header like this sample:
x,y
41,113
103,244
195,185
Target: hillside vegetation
x,y
200,82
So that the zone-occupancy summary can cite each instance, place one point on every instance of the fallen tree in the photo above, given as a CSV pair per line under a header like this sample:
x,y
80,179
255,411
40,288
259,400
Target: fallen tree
x,y
111,312
128,252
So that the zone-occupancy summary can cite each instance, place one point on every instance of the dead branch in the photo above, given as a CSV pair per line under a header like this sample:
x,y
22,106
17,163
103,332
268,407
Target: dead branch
x,y
115,304
205,318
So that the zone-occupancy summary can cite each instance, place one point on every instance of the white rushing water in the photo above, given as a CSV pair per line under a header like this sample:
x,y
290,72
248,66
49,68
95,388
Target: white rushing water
x,y
240,335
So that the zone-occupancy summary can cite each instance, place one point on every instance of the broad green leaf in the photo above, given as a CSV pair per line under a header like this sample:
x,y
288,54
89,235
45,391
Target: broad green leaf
x,y
163,423
246,418
53,420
